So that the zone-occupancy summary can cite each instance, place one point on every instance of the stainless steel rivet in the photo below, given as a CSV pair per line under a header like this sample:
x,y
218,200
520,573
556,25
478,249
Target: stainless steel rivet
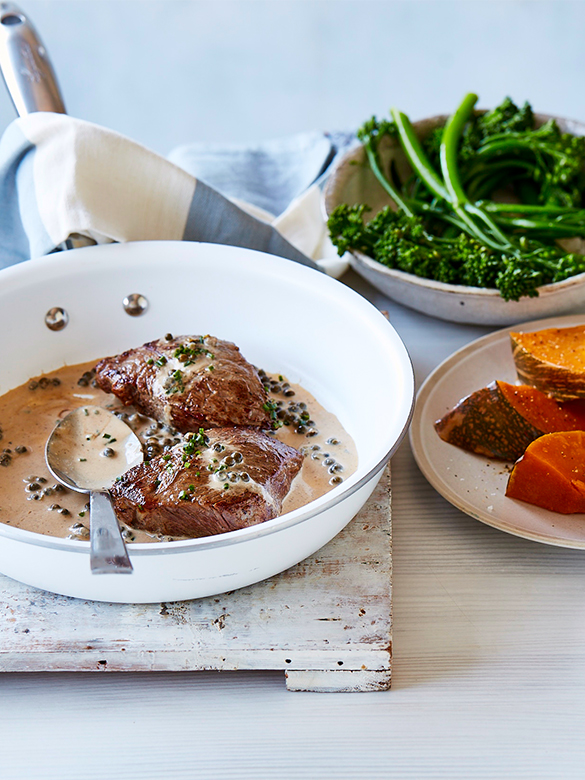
x,y
135,304
56,318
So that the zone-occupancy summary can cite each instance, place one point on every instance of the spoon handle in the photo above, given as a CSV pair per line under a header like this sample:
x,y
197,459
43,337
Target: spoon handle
x,y
108,553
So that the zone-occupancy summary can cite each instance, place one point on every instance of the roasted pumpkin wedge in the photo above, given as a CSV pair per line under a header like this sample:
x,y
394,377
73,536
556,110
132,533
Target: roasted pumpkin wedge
x,y
553,360
551,473
500,420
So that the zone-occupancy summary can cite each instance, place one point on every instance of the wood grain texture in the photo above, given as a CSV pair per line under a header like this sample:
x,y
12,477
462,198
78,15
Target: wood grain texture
x,y
331,612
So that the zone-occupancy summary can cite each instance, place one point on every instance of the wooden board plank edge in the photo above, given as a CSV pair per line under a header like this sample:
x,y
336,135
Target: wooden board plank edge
x,y
343,681
189,661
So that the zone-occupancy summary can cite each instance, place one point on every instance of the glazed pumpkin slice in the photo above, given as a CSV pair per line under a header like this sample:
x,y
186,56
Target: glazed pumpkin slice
x,y
552,360
500,420
551,473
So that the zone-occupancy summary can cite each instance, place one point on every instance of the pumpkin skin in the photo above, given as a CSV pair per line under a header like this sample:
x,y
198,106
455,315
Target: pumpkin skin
x,y
501,420
552,360
551,473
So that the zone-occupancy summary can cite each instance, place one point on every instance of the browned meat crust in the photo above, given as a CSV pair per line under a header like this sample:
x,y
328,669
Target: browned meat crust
x,y
188,382
220,480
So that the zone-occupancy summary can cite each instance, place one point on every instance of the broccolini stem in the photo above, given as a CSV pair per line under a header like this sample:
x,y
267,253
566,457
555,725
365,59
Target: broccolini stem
x,y
471,208
450,170
514,144
421,207
484,186
484,167
478,178
375,166
535,208
421,164
416,155
542,229
449,148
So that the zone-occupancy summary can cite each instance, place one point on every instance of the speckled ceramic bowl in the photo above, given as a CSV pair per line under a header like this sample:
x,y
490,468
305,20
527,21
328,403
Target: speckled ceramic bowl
x,y
353,182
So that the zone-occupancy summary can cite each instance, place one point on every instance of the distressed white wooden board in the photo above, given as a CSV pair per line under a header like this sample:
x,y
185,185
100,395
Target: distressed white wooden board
x,y
344,681
329,614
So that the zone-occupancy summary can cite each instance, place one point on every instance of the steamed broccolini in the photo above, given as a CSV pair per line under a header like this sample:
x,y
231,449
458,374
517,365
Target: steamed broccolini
x,y
448,228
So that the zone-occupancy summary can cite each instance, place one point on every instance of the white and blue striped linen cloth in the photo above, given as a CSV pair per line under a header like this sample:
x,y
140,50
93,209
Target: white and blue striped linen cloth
x,y
64,179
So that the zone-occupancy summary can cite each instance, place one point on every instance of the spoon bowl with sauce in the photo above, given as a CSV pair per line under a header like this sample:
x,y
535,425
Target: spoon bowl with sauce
x,y
87,451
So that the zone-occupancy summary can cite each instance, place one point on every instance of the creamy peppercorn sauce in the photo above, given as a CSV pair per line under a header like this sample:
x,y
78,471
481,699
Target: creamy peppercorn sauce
x,y
31,499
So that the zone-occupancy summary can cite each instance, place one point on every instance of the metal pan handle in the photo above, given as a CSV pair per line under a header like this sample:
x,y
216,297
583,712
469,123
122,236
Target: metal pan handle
x,y
25,65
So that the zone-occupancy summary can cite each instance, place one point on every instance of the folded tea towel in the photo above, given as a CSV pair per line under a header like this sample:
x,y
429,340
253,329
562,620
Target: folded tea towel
x,y
269,175
65,182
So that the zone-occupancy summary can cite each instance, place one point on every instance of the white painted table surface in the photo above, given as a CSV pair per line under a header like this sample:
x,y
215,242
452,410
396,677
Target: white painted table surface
x,y
488,675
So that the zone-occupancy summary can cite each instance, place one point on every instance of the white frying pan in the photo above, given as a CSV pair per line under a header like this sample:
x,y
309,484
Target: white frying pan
x,y
284,316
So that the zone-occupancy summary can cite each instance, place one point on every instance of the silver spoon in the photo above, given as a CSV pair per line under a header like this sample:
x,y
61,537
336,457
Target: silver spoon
x,y
87,450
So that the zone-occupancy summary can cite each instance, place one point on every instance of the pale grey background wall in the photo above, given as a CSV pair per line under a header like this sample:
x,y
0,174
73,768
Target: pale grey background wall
x,y
166,72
